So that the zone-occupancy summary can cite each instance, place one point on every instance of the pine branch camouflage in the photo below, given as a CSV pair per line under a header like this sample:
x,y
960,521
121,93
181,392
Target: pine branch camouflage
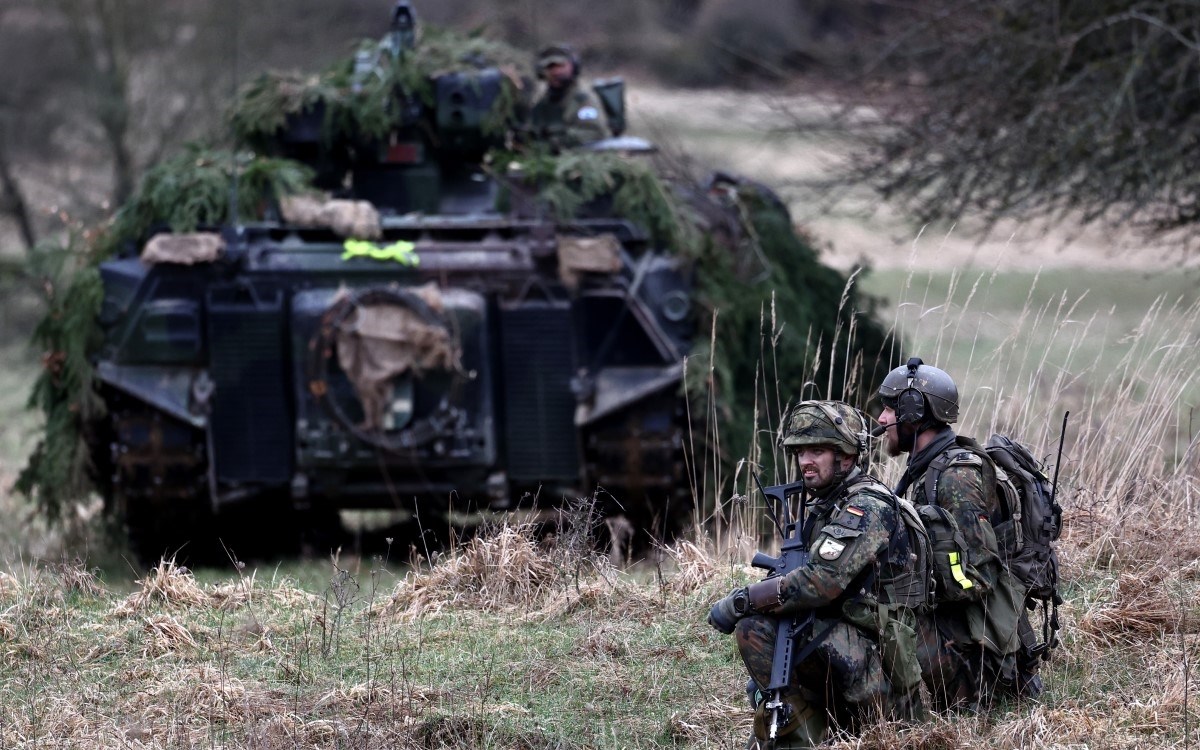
x,y
745,254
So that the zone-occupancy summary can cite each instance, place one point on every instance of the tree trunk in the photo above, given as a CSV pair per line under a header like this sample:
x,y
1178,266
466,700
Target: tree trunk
x,y
12,202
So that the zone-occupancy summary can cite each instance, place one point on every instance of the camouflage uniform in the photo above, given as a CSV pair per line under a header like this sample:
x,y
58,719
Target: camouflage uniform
x,y
568,117
859,555
968,647
855,533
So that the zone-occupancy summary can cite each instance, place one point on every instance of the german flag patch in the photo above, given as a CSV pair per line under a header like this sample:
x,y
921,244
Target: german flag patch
x,y
855,511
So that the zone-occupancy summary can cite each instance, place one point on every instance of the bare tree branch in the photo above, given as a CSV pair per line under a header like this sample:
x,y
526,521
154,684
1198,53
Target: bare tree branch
x,y
12,199
1035,109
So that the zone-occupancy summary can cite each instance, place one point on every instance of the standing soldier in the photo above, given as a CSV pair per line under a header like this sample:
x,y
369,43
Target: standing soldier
x,y
566,112
856,659
971,645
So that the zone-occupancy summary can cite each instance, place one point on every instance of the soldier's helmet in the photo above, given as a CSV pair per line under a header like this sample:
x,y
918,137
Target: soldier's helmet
x,y
918,392
832,423
556,53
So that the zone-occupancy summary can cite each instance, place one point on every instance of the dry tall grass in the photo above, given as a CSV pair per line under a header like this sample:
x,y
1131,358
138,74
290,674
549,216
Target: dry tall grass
x,y
512,642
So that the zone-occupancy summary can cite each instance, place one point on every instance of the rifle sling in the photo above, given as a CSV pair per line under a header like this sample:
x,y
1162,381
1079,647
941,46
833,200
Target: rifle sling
x,y
817,639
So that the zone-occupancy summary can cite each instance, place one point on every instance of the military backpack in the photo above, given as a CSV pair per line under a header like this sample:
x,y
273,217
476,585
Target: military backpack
x,y
1028,520
906,593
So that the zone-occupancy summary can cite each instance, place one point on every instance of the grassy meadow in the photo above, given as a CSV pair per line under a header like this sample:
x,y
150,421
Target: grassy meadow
x,y
509,642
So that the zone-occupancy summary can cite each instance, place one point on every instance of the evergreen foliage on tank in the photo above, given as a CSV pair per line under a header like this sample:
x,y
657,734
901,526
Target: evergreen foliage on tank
x,y
183,193
785,327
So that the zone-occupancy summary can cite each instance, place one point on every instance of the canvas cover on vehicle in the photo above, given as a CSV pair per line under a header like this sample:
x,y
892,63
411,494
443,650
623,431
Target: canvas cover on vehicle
x,y
184,249
578,255
377,343
347,218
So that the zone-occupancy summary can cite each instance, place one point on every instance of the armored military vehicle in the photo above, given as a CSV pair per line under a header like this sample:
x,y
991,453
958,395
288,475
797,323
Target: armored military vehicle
x,y
459,348
452,319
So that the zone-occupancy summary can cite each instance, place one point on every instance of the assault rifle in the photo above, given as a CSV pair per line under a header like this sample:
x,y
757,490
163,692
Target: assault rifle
x,y
793,553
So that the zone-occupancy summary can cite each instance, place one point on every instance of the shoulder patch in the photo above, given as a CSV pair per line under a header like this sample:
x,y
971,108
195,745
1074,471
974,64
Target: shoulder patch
x,y
838,531
588,113
850,517
831,549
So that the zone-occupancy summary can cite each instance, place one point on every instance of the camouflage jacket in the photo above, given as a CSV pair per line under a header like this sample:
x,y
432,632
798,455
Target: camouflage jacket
x,y
852,531
573,116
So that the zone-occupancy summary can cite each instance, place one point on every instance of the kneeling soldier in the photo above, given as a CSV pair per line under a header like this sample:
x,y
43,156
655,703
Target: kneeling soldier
x,y
857,596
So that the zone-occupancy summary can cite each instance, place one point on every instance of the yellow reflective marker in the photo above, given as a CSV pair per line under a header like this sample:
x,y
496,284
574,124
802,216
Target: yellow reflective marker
x,y
957,571
401,252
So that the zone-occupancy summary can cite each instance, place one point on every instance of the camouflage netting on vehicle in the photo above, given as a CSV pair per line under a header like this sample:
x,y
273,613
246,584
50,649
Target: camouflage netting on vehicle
x,y
567,183
182,194
787,327
57,470
192,190
783,326
362,107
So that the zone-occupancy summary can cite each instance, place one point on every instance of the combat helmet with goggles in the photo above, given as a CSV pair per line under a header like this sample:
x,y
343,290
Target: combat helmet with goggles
x,y
920,394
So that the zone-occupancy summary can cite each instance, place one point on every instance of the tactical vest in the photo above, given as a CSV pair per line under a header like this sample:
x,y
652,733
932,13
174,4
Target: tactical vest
x,y
903,578
896,591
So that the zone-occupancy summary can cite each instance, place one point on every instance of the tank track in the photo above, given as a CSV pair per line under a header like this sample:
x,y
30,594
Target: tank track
x,y
154,474
644,473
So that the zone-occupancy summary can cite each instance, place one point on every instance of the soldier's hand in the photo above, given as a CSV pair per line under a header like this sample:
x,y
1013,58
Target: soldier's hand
x,y
725,614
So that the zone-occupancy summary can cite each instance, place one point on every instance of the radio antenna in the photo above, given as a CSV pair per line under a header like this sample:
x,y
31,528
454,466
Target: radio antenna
x,y
1062,437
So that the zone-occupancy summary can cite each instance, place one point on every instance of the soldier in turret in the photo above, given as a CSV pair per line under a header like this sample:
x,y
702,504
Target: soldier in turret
x,y
567,113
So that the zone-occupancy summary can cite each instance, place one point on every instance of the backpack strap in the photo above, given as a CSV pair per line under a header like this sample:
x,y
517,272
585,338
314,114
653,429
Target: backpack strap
x,y
906,515
962,455
862,484
969,453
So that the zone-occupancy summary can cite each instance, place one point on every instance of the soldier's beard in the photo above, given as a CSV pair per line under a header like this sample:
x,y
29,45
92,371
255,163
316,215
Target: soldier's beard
x,y
897,441
815,481
891,442
825,477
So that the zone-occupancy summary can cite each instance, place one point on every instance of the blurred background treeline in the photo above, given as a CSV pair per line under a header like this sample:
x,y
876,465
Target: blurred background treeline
x,y
97,90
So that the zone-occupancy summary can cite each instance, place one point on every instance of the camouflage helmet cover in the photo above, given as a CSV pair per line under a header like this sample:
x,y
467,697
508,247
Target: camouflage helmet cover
x,y
833,423
938,388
